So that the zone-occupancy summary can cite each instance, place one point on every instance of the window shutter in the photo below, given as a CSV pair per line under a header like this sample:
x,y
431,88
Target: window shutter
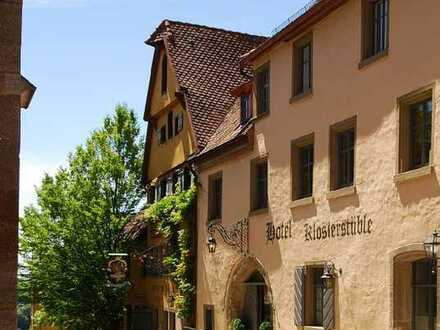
x,y
329,309
193,178
299,295
259,93
296,172
404,139
157,193
180,179
169,185
267,104
180,121
158,134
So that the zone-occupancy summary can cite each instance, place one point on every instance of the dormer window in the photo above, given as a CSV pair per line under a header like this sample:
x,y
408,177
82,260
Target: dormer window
x,y
245,107
164,84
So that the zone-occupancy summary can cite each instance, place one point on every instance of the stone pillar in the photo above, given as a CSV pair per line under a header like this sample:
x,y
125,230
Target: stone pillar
x,y
10,104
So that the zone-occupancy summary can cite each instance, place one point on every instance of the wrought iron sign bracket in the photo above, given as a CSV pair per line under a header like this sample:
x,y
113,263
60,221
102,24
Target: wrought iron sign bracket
x,y
236,237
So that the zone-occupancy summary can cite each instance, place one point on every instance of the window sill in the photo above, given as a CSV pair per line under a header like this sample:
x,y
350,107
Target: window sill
x,y
342,192
258,212
313,328
300,96
413,174
373,58
302,202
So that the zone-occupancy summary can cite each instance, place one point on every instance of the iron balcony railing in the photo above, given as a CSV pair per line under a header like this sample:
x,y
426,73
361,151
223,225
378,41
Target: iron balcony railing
x,y
295,16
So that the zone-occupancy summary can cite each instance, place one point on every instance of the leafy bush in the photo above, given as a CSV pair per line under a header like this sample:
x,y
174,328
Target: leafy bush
x,y
236,324
266,325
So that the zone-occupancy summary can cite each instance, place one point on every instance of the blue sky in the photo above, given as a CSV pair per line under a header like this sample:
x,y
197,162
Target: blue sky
x,y
85,56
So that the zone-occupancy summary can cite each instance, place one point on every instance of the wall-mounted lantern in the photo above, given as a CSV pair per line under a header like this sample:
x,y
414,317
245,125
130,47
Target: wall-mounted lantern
x,y
211,243
329,274
237,237
431,246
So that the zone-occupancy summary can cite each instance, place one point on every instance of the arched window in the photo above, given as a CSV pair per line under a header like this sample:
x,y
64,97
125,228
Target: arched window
x,y
164,74
415,292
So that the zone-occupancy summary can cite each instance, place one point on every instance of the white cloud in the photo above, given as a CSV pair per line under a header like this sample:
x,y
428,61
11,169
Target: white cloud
x,y
32,171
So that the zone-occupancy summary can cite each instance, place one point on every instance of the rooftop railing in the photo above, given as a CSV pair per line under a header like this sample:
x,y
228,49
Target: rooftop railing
x,y
295,16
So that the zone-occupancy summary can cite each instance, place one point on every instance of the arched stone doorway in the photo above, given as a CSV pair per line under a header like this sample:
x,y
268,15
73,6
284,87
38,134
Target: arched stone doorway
x,y
414,291
248,295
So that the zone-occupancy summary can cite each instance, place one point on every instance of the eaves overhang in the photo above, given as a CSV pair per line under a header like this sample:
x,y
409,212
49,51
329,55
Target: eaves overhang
x,y
298,26
243,141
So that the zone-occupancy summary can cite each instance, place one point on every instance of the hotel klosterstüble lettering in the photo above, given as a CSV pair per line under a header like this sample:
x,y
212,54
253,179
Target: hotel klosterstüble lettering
x,y
356,225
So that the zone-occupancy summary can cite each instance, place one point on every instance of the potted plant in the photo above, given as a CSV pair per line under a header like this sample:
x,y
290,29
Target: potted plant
x,y
266,325
236,324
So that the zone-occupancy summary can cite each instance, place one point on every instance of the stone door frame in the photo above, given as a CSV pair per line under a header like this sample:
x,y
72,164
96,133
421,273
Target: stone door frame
x,y
242,268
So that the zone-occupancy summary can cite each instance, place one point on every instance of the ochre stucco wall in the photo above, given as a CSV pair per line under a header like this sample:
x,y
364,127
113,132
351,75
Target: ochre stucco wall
x,y
401,214
175,151
159,100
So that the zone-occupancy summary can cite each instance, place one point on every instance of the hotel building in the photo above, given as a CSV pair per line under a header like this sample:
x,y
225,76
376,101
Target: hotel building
x,y
315,152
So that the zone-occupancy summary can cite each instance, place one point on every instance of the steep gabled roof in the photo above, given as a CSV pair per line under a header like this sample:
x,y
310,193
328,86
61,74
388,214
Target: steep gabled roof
x,y
206,63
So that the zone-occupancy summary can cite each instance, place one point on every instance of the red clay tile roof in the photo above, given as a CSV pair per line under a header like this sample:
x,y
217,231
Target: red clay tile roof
x,y
228,130
206,62
134,228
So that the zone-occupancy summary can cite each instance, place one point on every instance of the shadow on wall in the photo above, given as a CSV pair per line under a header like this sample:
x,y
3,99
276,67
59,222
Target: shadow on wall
x,y
303,213
412,192
265,233
342,203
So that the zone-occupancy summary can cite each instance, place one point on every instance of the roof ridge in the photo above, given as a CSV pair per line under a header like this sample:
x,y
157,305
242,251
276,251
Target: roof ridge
x,y
206,62
214,28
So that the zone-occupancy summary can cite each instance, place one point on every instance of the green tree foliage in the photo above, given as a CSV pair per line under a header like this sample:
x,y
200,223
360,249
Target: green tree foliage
x,y
23,302
168,217
81,210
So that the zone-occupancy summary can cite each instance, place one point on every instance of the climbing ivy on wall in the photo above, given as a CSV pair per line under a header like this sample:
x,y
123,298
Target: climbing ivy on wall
x,y
167,216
